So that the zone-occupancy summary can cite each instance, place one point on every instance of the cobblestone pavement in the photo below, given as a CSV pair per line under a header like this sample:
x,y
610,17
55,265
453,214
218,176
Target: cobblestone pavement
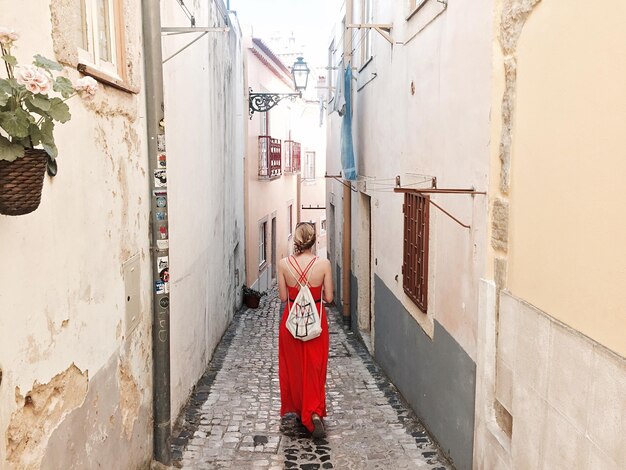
x,y
232,419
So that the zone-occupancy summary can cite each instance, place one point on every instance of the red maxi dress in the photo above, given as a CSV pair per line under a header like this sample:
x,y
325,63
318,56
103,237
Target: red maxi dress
x,y
302,364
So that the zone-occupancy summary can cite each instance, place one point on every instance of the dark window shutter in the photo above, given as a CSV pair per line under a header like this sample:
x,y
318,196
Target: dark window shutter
x,y
415,263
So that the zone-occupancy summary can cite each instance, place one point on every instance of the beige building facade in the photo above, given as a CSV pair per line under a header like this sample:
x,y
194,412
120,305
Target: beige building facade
x,y
553,391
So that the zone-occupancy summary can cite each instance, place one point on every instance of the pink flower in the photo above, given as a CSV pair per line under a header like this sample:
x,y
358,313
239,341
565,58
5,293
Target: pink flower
x,y
8,36
33,78
86,87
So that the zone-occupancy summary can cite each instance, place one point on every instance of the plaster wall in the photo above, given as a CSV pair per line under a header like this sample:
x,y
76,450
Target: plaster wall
x,y
204,120
567,161
65,350
268,198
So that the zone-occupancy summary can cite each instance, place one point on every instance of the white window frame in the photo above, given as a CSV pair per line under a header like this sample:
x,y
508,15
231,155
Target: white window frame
x,y
263,243
367,17
290,220
309,169
91,55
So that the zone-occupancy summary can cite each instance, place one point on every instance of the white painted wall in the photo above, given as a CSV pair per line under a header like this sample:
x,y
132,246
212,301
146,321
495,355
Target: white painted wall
x,y
204,115
62,297
422,109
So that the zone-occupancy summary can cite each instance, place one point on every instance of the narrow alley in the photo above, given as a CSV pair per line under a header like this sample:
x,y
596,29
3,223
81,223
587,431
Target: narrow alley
x,y
232,418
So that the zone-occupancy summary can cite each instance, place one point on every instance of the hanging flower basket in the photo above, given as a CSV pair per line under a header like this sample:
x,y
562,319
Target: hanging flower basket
x,y
21,182
251,297
28,114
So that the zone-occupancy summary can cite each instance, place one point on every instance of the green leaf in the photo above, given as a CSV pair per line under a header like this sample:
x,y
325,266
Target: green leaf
x,y
9,151
5,86
52,150
46,130
64,86
15,122
35,134
52,167
9,59
59,111
41,61
4,99
40,102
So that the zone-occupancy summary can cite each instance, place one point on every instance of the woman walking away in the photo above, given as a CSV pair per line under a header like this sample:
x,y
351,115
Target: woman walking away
x,y
302,364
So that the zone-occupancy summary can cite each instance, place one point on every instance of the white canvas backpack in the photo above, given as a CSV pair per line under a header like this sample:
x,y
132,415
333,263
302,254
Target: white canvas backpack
x,y
303,321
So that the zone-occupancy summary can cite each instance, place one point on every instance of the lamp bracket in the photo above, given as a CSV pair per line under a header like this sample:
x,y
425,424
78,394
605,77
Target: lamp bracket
x,y
263,102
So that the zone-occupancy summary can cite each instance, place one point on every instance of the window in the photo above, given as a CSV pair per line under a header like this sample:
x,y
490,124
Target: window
x,y
262,243
309,166
323,226
290,220
367,18
415,263
102,36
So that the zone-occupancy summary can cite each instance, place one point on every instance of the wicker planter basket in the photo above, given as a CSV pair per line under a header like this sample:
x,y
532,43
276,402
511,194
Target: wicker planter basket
x,y
21,182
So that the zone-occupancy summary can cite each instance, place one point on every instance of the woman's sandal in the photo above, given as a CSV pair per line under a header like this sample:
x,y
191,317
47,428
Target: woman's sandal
x,y
318,427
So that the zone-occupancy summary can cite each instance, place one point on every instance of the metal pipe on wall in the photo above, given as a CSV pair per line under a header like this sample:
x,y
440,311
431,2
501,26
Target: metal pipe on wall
x,y
153,68
347,191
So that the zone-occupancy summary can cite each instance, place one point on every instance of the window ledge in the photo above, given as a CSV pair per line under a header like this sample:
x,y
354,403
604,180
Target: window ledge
x,y
416,8
107,79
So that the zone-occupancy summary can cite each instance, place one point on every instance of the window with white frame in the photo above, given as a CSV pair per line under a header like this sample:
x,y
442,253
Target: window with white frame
x,y
102,35
308,172
290,220
262,243
323,226
367,17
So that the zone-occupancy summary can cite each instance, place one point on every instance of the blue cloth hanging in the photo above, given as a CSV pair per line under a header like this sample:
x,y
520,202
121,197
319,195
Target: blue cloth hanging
x,y
348,163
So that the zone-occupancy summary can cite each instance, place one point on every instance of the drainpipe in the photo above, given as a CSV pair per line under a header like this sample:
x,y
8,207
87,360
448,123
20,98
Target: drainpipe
x,y
347,191
160,303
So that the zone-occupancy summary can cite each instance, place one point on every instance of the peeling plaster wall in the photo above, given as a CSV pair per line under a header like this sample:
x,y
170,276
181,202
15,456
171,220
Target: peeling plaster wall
x,y
62,302
204,119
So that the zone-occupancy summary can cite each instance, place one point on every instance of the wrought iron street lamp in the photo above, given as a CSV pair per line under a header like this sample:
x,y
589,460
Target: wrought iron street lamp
x,y
263,102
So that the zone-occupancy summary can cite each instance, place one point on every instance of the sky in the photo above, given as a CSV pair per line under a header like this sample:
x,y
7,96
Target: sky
x,y
310,21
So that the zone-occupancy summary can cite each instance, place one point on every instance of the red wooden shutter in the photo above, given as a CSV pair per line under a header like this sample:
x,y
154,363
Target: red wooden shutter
x,y
415,263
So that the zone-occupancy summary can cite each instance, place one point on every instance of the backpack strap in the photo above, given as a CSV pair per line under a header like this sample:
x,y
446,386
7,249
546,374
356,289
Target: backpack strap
x,y
302,279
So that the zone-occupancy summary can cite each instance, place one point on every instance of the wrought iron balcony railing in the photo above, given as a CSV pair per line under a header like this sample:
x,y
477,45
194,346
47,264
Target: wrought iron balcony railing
x,y
292,156
270,157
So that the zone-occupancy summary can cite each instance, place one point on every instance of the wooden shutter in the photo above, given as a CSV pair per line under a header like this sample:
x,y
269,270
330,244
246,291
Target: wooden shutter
x,y
415,263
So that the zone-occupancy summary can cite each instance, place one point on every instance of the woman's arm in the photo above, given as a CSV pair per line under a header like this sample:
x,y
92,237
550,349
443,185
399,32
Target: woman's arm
x,y
282,284
328,283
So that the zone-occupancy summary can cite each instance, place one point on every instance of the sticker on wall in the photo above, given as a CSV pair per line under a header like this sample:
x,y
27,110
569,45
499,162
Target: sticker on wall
x,y
163,232
161,201
161,142
162,160
164,302
160,178
161,215
164,274
162,263
161,287
162,192
163,245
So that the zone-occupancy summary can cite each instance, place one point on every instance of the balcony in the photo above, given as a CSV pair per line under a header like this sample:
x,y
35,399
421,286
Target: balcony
x,y
292,156
270,157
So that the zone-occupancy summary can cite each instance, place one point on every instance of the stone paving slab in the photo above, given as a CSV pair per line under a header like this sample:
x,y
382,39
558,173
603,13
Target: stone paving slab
x,y
232,418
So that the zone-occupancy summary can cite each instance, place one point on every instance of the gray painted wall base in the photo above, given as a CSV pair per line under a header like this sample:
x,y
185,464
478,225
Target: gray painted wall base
x,y
436,376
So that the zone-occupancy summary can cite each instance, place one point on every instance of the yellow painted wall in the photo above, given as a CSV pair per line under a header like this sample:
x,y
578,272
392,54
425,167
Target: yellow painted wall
x,y
568,194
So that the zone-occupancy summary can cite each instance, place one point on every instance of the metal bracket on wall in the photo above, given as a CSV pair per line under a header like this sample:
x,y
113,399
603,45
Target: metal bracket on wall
x,y
382,29
170,31
336,178
470,191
